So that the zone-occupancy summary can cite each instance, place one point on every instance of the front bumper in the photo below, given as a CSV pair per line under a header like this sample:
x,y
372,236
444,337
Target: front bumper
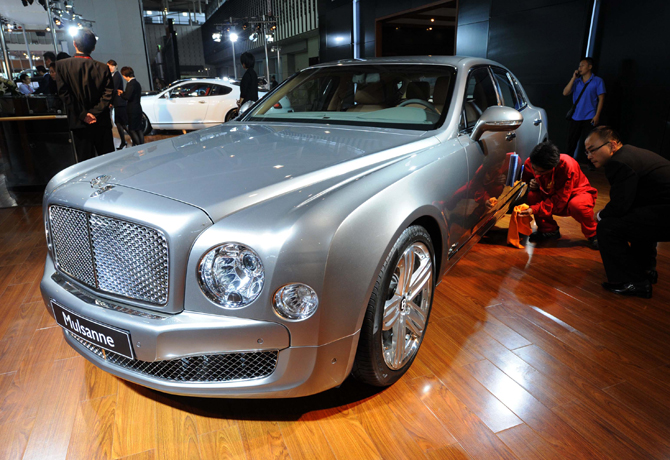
x,y
189,337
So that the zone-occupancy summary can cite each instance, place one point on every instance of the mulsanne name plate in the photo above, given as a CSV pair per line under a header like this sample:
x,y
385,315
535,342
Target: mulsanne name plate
x,y
101,335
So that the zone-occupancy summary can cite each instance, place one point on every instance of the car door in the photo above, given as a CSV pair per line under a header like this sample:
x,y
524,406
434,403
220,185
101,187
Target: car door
x,y
528,134
185,107
489,158
222,100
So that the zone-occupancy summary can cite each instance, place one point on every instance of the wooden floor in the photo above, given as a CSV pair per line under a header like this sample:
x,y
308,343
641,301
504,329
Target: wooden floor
x,y
526,357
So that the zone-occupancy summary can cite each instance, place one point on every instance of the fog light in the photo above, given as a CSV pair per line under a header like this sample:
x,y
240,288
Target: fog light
x,y
295,302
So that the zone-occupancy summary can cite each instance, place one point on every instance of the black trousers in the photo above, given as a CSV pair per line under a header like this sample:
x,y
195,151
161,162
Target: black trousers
x,y
577,133
628,243
137,137
92,141
122,129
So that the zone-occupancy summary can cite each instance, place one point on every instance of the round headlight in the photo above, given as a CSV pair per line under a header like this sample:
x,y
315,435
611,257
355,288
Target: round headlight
x,y
295,302
231,275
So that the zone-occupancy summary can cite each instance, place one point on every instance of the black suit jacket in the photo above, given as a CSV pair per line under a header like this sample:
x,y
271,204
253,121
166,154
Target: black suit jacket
x,y
638,178
85,86
118,84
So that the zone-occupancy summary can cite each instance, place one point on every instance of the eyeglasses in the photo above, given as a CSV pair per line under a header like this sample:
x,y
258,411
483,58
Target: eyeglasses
x,y
592,151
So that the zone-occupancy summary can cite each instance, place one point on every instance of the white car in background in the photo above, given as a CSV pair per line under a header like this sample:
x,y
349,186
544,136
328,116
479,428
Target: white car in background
x,y
192,104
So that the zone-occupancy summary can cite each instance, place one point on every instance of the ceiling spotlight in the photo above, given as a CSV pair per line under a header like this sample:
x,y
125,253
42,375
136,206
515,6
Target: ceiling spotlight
x,y
244,26
253,37
73,31
48,29
269,38
150,13
68,4
432,20
233,37
217,37
58,22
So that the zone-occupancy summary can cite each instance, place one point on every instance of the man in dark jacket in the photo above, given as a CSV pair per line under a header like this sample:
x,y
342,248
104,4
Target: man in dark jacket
x,y
86,88
120,114
638,214
249,83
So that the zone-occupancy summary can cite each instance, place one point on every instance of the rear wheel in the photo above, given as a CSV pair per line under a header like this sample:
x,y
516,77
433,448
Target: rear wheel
x,y
398,311
146,125
230,115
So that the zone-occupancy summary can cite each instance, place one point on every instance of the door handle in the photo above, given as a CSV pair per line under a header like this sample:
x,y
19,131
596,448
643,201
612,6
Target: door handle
x,y
537,121
202,102
510,136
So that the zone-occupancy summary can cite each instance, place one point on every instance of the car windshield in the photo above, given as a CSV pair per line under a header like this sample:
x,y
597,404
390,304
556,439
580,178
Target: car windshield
x,y
395,96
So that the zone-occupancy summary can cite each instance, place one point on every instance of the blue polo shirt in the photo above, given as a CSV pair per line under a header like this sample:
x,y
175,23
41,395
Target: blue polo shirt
x,y
586,109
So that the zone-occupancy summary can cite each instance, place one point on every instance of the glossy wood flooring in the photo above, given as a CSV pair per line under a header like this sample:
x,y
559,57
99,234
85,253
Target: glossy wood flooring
x,y
526,357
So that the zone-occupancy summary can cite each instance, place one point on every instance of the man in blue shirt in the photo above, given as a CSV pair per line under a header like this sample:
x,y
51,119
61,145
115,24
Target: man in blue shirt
x,y
588,109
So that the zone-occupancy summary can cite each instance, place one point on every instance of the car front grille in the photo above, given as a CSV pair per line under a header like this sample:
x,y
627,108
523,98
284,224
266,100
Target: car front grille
x,y
111,255
226,367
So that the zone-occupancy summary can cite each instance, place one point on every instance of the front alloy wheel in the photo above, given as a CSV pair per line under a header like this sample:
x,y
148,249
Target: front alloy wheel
x,y
407,307
397,314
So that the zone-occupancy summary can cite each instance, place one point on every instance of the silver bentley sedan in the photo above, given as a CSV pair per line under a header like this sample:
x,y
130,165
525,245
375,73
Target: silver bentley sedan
x,y
275,255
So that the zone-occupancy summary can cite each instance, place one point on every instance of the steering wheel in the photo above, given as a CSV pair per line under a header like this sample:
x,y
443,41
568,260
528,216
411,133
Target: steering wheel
x,y
426,104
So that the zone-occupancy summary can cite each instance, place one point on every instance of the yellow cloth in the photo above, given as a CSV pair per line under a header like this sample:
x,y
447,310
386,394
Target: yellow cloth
x,y
518,224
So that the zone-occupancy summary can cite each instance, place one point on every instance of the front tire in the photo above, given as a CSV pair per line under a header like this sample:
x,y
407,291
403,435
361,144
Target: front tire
x,y
398,311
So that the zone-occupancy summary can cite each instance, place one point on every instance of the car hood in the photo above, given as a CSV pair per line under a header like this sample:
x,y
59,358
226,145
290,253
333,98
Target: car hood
x,y
230,167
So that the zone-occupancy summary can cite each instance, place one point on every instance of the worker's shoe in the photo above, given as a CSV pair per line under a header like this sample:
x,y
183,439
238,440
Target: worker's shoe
x,y
639,289
536,237
593,243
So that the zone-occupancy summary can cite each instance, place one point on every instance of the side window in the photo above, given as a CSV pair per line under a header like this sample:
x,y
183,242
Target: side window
x,y
520,95
200,90
220,90
480,94
181,90
506,89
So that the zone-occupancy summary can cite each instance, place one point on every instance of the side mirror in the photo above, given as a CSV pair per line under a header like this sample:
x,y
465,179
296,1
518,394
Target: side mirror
x,y
246,106
167,95
496,118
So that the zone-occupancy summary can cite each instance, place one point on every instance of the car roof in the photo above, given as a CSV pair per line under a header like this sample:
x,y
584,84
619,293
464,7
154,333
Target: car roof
x,y
455,61
219,81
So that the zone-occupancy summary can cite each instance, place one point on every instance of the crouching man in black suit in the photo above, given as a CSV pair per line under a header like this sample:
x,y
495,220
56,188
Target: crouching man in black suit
x,y
638,214
86,88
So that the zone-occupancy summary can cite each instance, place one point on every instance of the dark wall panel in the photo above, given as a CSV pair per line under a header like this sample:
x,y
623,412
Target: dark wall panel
x,y
470,11
632,56
335,28
472,39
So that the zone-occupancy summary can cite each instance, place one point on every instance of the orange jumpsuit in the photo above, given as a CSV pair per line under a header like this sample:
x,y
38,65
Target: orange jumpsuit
x,y
563,192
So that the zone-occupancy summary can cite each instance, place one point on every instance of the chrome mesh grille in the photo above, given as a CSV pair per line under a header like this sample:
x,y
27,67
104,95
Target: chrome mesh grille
x,y
111,255
226,367
130,260
71,244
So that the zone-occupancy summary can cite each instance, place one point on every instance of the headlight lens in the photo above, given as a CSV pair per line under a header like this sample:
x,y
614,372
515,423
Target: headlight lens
x,y
295,302
231,275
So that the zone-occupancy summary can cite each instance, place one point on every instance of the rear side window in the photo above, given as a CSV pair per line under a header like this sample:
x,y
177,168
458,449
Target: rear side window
x,y
506,89
220,90
520,95
480,94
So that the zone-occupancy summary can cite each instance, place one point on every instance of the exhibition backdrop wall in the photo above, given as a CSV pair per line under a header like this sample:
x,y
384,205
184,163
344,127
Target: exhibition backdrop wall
x,y
542,41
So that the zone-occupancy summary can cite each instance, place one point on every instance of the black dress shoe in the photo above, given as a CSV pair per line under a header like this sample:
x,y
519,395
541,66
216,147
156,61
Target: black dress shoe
x,y
652,276
539,236
122,146
593,243
639,289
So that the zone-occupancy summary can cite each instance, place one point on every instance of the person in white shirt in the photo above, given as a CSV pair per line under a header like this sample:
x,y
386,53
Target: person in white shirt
x,y
25,87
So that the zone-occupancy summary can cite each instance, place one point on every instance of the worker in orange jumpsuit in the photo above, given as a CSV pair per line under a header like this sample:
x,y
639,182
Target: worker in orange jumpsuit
x,y
557,187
